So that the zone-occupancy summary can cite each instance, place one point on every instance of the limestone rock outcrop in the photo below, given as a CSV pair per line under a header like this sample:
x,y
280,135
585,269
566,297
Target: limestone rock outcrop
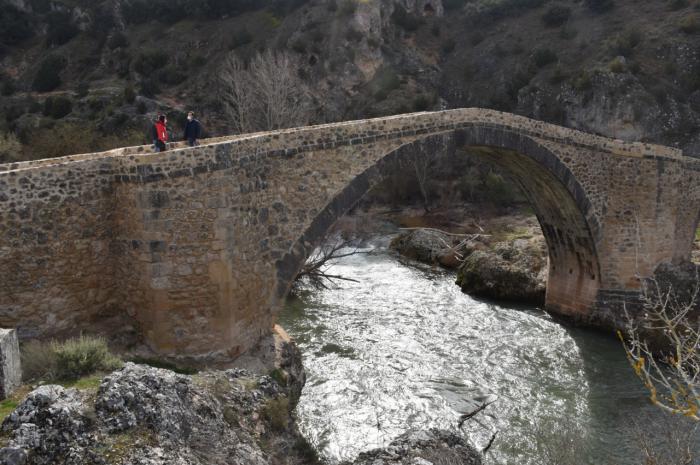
x,y
515,271
432,447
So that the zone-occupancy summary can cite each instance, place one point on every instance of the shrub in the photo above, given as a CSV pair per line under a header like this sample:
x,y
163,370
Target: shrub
x,y
678,4
82,89
149,88
384,82
141,107
347,8
690,24
617,65
556,15
118,40
453,4
543,57
353,35
15,25
68,360
57,107
129,93
583,81
10,148
150,61
47,77
448,45
421,103
171,75
625,43
600,6
7,87
406,20
240,38
82,356
276,411
61,28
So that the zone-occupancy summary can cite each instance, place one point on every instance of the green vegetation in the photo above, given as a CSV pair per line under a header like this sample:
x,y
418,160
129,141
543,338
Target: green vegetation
x,y
625,43
690,24
276,411
556,15
543,57
48,76
57,107
67,361
406,20
384,82
150,61
617,65
600,6
10,148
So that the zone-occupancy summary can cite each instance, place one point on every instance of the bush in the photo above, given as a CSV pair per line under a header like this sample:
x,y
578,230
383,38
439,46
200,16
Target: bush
x,y
82,89
556,15
453,4
347,8
10,148
240,38
118,40
57,107
149,88
82,356
625,43
150,61
617,65
690,24
68,360
406,20
129,93
7,87
171,75
384,82
276,411
543,57
141,107
448,45
600,6
61,28
48,76
15,25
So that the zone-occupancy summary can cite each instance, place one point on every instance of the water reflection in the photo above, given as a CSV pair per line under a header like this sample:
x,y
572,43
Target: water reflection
x,y
404,348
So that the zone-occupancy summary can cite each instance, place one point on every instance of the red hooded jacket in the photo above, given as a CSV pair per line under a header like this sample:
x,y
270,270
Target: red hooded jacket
x,y
162,131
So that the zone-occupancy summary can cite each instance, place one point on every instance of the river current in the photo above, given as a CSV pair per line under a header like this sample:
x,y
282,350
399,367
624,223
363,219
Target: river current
x,y
403,348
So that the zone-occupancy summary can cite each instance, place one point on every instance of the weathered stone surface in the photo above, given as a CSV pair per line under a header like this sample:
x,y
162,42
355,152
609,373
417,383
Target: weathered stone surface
x,y
149,416
513,271
199,245
432,447
10,363
428,246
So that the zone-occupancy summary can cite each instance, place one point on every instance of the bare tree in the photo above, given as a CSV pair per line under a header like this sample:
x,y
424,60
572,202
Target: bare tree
x,y
663,346
316,269
265,93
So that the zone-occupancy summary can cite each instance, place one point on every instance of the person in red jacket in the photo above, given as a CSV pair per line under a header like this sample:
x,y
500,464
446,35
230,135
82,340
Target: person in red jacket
x,y
161,133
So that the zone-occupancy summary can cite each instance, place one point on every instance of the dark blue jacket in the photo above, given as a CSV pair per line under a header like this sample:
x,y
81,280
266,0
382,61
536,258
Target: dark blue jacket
x,y
192,130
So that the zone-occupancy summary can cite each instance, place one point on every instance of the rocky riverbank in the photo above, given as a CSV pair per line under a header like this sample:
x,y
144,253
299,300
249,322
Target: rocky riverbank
x,y
505,259
142,415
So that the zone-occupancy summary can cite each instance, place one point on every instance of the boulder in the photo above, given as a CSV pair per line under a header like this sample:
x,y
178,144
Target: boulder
x,y
513,271
432,447
428,246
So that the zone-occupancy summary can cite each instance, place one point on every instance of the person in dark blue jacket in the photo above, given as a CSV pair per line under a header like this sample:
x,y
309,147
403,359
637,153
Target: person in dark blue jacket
x,y
193,130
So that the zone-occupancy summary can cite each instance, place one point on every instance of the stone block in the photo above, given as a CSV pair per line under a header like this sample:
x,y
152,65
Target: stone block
x,y
10,367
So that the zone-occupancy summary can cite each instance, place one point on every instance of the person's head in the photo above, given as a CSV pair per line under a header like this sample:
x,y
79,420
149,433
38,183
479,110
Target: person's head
x,y
190,116
162,119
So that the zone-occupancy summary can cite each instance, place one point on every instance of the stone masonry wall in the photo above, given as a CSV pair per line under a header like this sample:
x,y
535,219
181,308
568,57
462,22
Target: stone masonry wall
x,y
198,245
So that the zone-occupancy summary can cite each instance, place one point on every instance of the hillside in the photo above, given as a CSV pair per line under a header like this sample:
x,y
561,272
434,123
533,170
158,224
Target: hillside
x,y
82,75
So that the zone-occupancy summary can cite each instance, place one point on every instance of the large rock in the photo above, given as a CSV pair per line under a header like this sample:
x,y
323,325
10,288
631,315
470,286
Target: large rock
x,y
150,416
432,447
515,271
428,246
10,366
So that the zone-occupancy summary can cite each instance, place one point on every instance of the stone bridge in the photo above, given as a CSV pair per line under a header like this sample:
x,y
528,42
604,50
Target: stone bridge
x,y
197,247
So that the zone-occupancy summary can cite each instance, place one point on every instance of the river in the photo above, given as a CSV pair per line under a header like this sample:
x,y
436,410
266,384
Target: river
x,y
403,348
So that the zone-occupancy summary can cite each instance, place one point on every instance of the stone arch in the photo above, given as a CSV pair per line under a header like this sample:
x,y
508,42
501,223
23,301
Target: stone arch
x,y
560,203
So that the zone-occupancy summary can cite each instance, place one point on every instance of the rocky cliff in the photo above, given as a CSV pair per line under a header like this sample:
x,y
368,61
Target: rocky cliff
x,y
96,72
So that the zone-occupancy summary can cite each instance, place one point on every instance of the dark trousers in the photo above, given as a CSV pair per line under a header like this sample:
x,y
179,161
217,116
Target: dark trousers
x,y
192,142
